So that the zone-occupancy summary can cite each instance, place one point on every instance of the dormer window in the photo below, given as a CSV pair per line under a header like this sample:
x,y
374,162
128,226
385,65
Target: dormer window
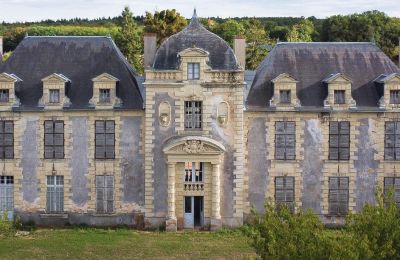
x,y
4,95
395,97
193,71
105,95
340,97
54,96
284,97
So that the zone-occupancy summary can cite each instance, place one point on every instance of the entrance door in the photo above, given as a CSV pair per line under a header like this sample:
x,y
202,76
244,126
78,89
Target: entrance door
x,y
194,211
7,196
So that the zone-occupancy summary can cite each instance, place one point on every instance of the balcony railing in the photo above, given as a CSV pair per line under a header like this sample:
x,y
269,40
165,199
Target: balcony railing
x,y
193,186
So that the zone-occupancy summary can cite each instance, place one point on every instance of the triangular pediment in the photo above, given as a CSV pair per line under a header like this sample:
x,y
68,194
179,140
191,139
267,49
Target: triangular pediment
x,y
284,78
56,77
193,52
394,77
193,145
105,77
5,77
337,78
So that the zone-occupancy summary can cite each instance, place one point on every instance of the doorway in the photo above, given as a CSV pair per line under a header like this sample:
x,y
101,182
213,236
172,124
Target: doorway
x,y
194,211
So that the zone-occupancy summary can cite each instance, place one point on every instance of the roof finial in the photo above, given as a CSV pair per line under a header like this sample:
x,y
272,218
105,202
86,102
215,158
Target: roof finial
x,y
194,13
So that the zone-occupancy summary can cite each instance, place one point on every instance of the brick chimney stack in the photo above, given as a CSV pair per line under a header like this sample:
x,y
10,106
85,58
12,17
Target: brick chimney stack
x,y
239,47
150,47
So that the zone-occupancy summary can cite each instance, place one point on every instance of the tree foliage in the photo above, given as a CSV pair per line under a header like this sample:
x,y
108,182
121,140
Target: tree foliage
x,y
129,40
301,32
164,23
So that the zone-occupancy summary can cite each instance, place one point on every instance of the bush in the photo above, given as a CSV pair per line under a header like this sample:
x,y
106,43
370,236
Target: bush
x,y
6,226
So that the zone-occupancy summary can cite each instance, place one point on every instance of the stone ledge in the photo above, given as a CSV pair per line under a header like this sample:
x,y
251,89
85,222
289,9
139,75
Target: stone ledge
x,y
60,215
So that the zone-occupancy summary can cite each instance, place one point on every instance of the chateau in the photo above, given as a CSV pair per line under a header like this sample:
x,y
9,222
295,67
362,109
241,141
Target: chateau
x,y
198,141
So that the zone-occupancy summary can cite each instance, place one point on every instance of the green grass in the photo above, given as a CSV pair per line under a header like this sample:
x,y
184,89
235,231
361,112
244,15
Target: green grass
x,y
126,244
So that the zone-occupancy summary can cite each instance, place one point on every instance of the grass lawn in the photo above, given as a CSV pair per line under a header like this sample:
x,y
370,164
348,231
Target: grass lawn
x,y
126,244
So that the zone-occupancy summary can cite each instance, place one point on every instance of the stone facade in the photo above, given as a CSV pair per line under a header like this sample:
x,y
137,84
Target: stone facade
x,y
166,172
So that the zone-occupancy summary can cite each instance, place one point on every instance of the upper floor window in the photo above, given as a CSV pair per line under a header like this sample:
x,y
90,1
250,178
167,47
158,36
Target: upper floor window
x,y
105,96
392,183
284,96
193,71
105,139
395,97
284,192
339,97
193,172
392,141
338,196
285,140
4,95
6,140
53,139
54,96
339,140
193,114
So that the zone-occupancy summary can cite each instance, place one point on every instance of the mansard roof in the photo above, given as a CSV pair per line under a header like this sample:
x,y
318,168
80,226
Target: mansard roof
x,y
80,59
311,63
195,35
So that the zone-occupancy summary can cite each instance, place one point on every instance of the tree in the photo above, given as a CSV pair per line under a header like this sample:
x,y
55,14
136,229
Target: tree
x,y
164,23
301,32
258,43
129,40
229,29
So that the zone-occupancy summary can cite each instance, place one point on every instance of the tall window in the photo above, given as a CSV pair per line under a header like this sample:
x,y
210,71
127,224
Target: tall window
x,y
6,140
193,114
284,96
4,95
55,194
395,97
339,140
284,192
338,197
193,71
194,172
392,141
54,96
285,140
392,183
105,96
339,96
6,194
105,139
53,139
105,194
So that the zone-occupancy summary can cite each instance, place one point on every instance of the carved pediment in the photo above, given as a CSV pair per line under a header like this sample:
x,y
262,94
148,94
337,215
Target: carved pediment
x,y
105,77
193,145
189,52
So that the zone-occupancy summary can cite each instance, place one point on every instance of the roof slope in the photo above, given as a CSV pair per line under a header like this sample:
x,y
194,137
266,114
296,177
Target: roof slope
x,y
80,59
221,56
311,63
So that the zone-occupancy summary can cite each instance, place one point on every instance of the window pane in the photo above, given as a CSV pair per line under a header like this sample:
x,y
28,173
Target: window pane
x,y
339,96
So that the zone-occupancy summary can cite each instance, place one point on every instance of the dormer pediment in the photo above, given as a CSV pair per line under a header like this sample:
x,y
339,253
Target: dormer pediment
x,y
5,77
193,52
389,86
7,90
337,78
391,78
284,78
105,77
56,78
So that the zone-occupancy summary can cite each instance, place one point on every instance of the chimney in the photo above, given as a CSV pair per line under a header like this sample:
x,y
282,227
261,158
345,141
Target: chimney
x,y
150,46
239,47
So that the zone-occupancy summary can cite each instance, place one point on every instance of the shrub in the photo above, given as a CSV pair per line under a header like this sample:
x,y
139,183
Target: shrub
x,y
6,226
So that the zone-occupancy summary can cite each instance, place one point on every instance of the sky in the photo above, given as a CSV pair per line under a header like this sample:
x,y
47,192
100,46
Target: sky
x,y
35,10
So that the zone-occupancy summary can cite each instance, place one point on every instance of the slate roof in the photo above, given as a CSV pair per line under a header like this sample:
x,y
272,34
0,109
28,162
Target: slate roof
x,y
221,55
311,63
80,59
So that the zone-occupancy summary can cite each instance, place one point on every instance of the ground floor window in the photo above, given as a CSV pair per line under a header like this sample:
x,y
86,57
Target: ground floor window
x,y
284,192
338,195
6,195
194,171
55,194
105,194
392,183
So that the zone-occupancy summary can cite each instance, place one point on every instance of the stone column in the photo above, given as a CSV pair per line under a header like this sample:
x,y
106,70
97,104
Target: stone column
x,y
171,223
216,198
